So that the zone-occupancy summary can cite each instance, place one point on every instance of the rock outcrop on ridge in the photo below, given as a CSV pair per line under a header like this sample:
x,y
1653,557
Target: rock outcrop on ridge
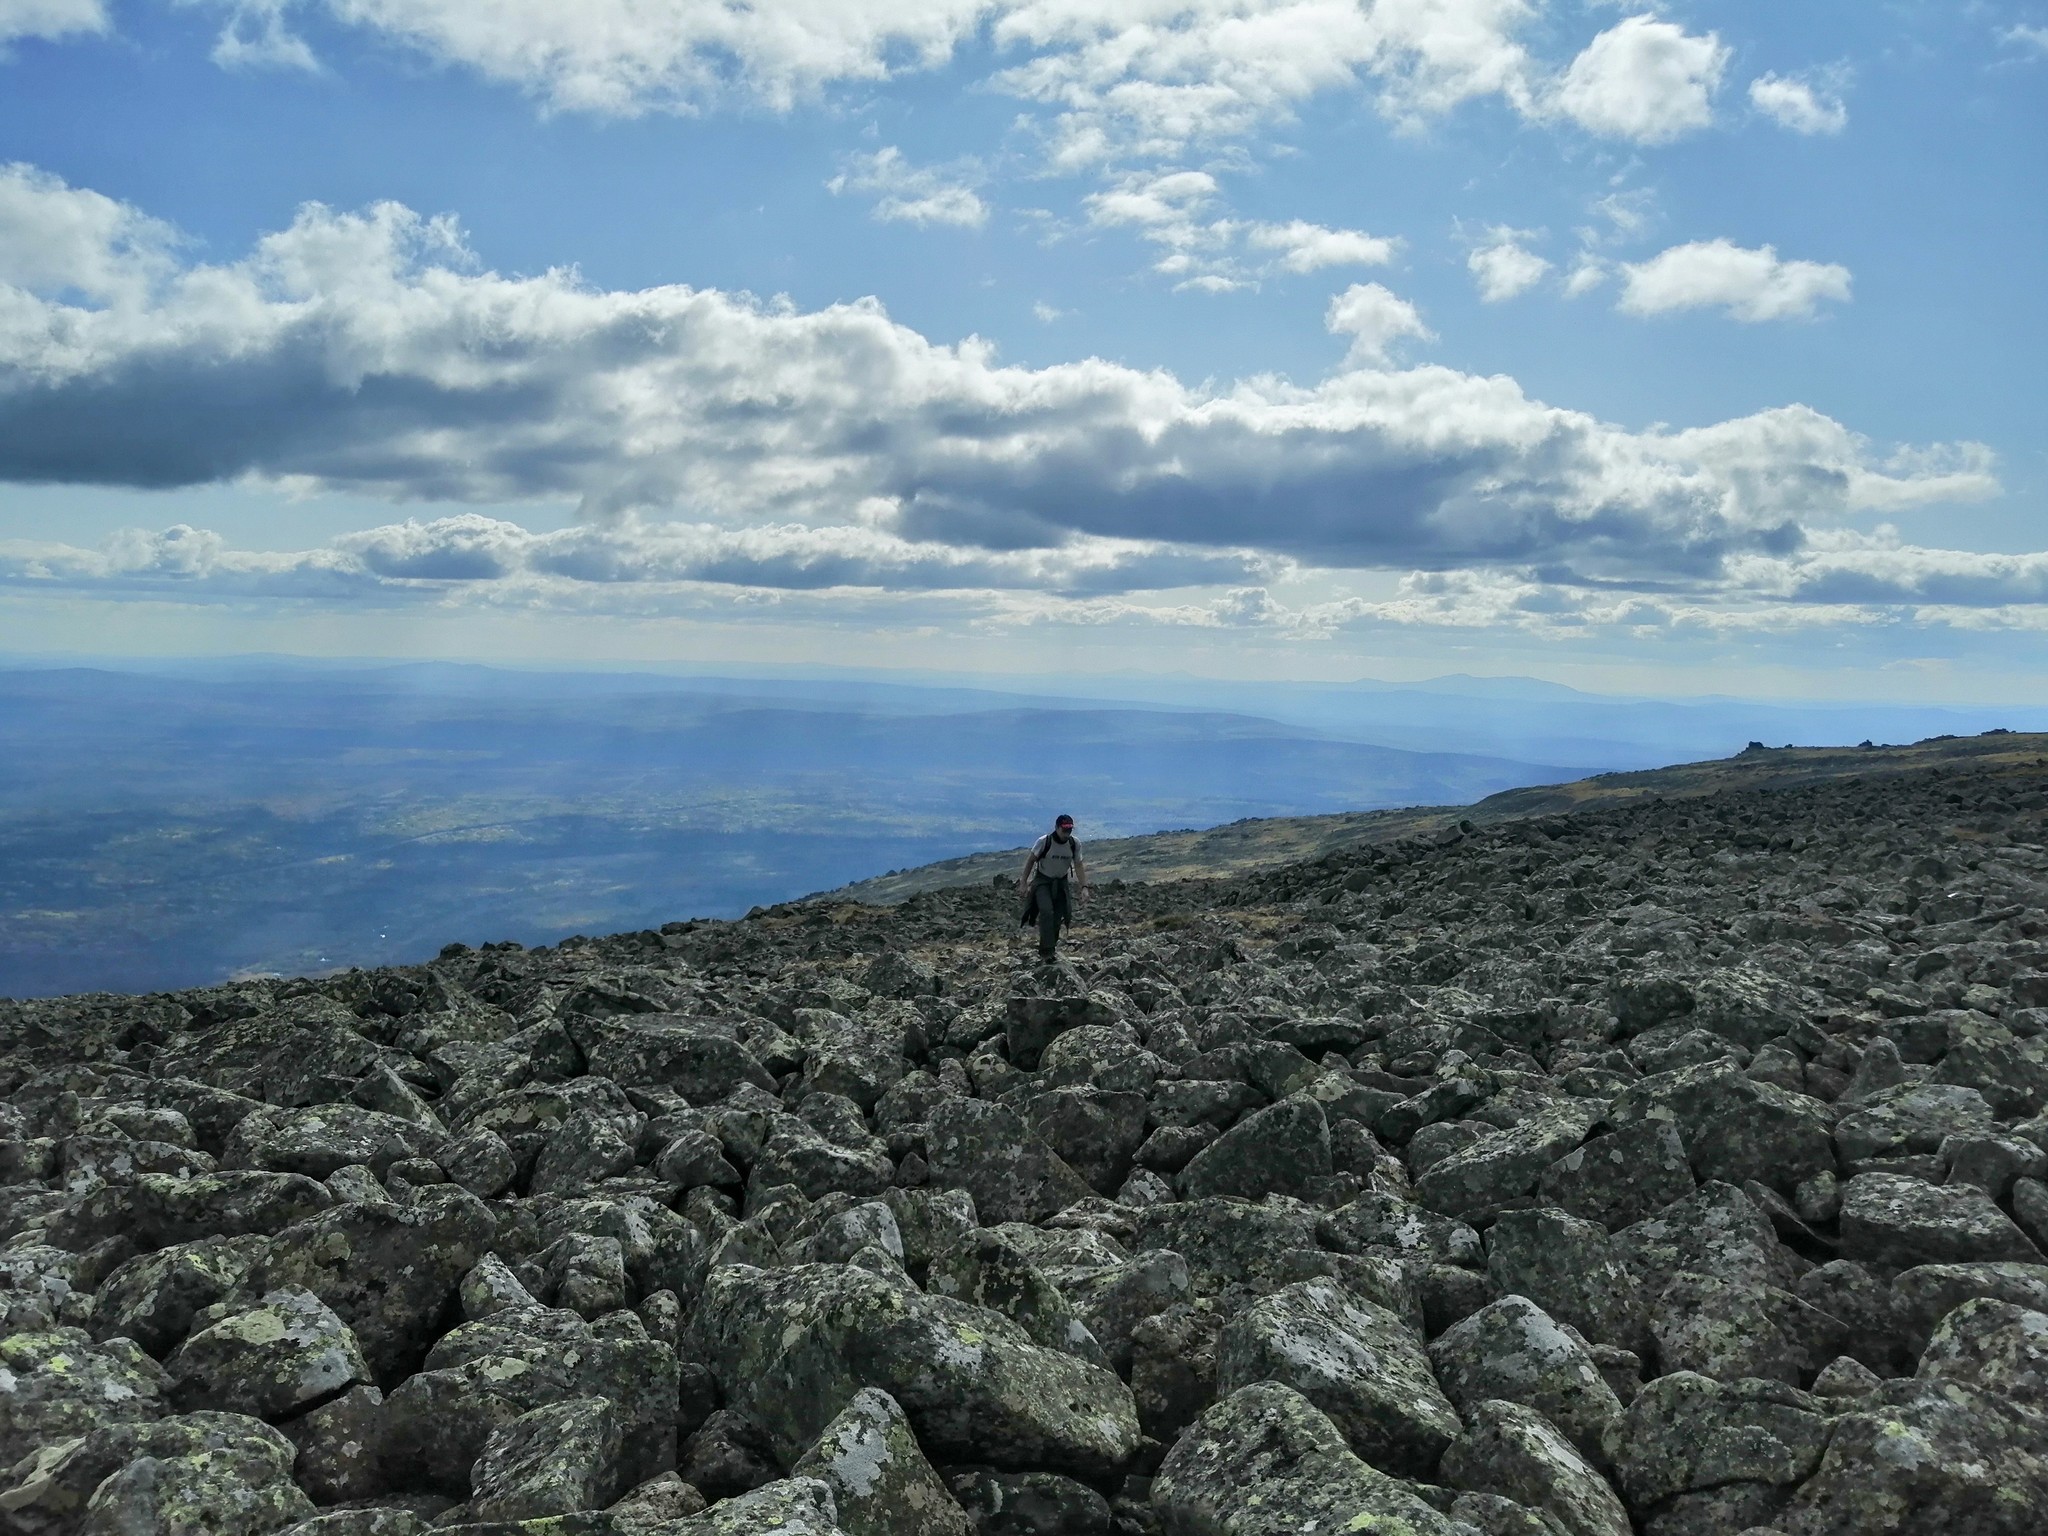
x,y
1676,1168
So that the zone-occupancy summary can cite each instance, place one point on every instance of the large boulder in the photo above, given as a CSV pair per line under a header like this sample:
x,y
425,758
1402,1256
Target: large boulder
x,y
1266,1462
1478,1181
1685,1432
1734,1127
1909,1118
1283,1150
880,1481
1993,1346
1232,1249
1932,1459
1891,1219
1514,1350
229,1477
1355,1361
277,1358
554,1460
57,1384
1571,1269
989,1151
668,1051
1621,1178
321,1139
388,1271
791,1348
1514,1452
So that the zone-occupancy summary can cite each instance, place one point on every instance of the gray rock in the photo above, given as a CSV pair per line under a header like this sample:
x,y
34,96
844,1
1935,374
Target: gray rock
x,y
317,1140
1356,1361
1912,1117
341,1447
988,1150
702,1065
1282,1150
1729,1328
1686,1432
1173,1368
880,1481
1619,1179
230,1203
1479,1180
57,1384
1111,1302
234,1479
1232,1249
153,1297
651,1508
1571,1269
1936,1459
1376,1221
1993,1346
1734,1128
797,1506
1515,1351
1266,1462
1096,1131
285,1354
554,1460
1514,1452
986,1268
791,1348
1901,1222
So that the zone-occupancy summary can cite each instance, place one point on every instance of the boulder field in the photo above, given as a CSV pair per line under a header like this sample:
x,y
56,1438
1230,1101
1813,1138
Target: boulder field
x,y
1677,1167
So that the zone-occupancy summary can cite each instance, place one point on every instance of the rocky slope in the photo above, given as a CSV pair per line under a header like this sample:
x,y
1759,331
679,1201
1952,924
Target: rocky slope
x,y
1673,1167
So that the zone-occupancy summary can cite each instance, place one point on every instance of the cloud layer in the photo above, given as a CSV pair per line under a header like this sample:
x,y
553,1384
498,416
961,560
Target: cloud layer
x,y
1752,285
368,352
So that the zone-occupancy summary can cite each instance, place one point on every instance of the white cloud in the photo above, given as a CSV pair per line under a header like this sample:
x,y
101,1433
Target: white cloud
x,y
1752,285
1645,80
2030,39
911,194
1047,314
50,18
55,237
1798,104
370,353
1588,273
255,36
1375,319
1307,247
1503,267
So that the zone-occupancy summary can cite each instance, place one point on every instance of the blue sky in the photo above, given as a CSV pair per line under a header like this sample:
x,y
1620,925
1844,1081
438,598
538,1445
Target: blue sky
x,y
1686,349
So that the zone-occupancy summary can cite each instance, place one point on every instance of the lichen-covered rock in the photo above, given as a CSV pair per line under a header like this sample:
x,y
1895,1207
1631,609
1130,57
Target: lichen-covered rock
x,y
1571,1269
1029,1503
1377,1220
230,1478
1476,1182
986,1268
1925,1294
1173,1368
792,1347
1514,1452
318,1140
1910,1117
1898,1221
271,1360
1232,1249
1929,1459
989,1151
1730,1328
554,1460
796,1506
881,1483
651,1508
167,1209
1734,1127
1993,1346
701,1064
1515,1351
152,1297
387,1271
1266,1462
1097,1131
1621,1178
46,1493
1281,1150
305,1052
1686,1432
341,1447
1355,1361
58,1384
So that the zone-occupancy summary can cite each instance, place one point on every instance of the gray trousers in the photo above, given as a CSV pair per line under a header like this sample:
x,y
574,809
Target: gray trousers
x,y
1051,896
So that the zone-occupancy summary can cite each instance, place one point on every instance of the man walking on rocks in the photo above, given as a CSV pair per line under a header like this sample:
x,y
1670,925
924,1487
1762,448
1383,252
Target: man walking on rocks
x,y
1053,859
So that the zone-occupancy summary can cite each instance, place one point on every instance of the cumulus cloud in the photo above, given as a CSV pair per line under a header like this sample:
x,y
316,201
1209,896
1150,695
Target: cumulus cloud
x,y
56,238
2032,40
368,352
50,18
911,194
1645,80
1375,319
1798,104
1752,285
1306,247
1504,267
256,35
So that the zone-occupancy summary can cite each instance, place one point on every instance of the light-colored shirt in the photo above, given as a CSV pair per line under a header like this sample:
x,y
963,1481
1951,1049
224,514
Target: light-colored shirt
x,y
1055,858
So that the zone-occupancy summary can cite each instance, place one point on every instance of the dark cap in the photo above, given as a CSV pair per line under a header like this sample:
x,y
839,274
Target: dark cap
x,y
1063,821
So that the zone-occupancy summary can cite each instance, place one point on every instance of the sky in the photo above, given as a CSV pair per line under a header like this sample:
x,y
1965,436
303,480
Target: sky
x,y
1681,349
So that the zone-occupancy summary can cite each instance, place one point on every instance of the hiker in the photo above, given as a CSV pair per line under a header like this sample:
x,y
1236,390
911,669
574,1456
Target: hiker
x,y
1046,868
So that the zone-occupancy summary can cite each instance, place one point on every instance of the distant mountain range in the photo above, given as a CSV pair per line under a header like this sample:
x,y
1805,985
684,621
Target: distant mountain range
x,y
169,824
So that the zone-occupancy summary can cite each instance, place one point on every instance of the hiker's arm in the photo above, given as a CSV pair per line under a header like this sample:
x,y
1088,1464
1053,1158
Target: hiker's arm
x,y
1081,871
1030,863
